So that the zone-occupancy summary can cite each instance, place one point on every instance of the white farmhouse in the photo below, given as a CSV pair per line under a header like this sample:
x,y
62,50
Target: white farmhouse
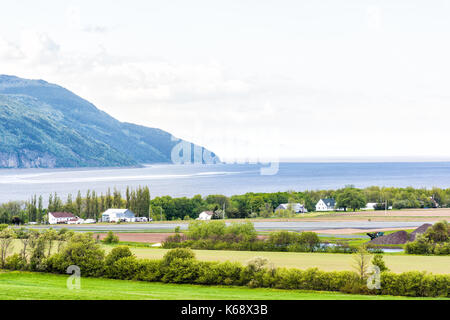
x,y
370,206
326,205
115,215
296,207
60,217
205,215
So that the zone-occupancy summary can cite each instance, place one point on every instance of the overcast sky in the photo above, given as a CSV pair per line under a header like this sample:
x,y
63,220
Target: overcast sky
x,y
251,79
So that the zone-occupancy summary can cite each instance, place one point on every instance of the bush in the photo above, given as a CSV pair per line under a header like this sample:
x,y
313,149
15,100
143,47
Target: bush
x,y
116,254
227,273
283,238
420,246
439,232
124,269
178,253
442,248
16,262
378,261
111,238
82,251
309,239
254,275
181,270
414,284
149,270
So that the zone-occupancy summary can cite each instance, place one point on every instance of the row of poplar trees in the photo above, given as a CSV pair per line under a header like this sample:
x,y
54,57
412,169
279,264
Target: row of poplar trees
x,y
92,205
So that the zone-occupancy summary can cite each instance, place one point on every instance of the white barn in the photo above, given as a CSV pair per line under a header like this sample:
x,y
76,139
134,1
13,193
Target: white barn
x,y
296,207
115,215
370,206
205,215
326,205
60,217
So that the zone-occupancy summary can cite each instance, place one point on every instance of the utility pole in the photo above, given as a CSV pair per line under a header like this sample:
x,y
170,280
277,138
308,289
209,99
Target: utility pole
x,y
160,210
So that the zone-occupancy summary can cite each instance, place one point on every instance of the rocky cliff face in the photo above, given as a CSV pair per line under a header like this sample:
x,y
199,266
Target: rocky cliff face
x,y
26,159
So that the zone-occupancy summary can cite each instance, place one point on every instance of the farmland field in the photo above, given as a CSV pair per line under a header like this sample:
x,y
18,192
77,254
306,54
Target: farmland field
x,y
34,286
323,261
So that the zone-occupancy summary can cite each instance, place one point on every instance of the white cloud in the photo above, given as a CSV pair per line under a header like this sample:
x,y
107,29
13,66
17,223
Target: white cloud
x,y
9,51
359,79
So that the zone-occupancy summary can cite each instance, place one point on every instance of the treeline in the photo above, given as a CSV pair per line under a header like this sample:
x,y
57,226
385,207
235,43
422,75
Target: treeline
x,y
249,205
89,206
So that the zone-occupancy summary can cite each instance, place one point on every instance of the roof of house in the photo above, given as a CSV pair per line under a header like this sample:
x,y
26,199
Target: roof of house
x,y
208,212
294,205
62,214
329,202
297,207
115,211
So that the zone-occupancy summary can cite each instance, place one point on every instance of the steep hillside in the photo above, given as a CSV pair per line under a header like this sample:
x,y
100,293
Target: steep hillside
x,y
45,125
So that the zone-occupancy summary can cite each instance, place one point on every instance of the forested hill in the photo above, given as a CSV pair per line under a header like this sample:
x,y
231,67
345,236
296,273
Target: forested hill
x,y
45,125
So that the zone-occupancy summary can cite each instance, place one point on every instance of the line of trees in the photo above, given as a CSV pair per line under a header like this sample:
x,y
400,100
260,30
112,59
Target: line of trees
x,y
89,206
249,205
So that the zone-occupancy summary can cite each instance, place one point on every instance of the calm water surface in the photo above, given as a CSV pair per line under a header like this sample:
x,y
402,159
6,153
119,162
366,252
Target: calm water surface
x,y
228,179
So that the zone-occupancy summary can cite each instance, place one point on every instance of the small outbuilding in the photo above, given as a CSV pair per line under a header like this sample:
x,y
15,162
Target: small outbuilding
x,y
118,215
205,215
370,206
296,207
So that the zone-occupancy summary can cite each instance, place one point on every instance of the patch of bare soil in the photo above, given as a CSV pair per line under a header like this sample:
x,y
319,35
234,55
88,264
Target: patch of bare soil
x,y
399,237
422,229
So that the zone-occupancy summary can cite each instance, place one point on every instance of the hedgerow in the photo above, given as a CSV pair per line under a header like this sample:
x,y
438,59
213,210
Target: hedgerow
x,y
181,266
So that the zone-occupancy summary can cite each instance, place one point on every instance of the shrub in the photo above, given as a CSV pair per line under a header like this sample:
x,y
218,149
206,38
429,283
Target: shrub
x,y
439,232
117,253
111,238
283,238
310,239
181,271
442,248
378,261
420,246
356,287
178,253
149,270
15,262
254,274
37,256
124,268
82,251
227,273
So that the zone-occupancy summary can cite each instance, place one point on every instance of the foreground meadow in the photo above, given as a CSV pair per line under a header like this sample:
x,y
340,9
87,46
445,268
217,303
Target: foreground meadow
x,y
18,285
324,261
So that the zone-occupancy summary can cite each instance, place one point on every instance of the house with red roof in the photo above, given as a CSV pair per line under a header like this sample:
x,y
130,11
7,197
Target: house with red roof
x,y
60,217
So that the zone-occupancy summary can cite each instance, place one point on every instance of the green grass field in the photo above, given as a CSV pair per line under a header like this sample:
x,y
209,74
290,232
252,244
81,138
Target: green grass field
x,y
36,286
323,261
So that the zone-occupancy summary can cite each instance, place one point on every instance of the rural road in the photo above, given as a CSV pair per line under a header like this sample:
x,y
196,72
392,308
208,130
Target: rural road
x,y
260,226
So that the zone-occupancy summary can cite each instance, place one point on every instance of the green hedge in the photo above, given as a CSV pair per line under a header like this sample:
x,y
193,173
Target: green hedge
x,y
181,266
